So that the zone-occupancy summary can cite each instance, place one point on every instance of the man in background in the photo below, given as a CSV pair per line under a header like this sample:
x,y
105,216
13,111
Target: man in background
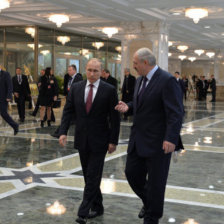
x,y
127,90
212,85
5,98
21,91
106,77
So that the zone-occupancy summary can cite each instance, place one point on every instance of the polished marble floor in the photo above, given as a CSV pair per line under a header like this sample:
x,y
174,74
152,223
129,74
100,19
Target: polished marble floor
x,y
35,172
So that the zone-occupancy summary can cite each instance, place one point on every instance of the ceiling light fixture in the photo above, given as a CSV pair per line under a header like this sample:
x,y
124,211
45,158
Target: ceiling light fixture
x,y
97,45
45,52
169,54
59,19
192,59
32,46
196,13
170,43
84,51
210,54
110,31
30,31
118,48
182,57
63,39
182,48
4,4
199,52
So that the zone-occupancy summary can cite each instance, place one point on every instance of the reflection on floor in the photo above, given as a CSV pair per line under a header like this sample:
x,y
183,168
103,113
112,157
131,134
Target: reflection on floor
x,y
35,172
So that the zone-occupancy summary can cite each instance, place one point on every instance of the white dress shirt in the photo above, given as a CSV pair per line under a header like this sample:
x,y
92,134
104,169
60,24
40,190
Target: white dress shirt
x,y
95,88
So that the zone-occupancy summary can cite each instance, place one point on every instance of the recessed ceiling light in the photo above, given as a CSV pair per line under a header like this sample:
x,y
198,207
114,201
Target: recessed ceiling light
x,y
207,27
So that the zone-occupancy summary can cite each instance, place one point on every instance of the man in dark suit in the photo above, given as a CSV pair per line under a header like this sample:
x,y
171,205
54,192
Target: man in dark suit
x,y
73,78
180,82
5,97
106,77
127,88
158,111
92,103
21,91
212,84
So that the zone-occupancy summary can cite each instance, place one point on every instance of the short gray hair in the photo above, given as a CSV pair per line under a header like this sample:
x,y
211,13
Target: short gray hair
x,y
146,54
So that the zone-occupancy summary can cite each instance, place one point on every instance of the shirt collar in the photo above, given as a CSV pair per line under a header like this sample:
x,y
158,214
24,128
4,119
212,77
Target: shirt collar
x,y
96,84
151,73
73,76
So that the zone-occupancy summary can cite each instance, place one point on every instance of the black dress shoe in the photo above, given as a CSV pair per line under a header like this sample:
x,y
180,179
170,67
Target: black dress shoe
x,y
81,220
142,212
93,214
16,130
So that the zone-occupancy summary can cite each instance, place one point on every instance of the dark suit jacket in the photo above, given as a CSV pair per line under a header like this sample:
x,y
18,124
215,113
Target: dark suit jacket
x,y
111,80
213,84
100,126
5,86
128,88
77,78
24,88
158,116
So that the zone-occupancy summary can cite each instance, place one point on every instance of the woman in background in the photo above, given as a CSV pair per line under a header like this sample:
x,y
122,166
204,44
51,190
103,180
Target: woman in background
x,y
48,94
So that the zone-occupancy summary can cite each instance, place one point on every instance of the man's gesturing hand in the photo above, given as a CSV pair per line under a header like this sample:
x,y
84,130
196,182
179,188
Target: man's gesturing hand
x,y
122,107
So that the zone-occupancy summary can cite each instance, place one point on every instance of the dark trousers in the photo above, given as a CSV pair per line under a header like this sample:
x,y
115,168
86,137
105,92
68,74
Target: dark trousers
x,y
92,166
213,95
37,106
21,107
5,115
147,178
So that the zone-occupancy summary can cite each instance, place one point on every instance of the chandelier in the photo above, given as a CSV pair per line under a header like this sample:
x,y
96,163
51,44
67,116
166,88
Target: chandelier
x,y
199,52
182,48
182,57
97,45
32,46
84,51
59,19
30,31
118,48
170,43
110,31
192,59
4,4
45,52
210,54
196,13
63,39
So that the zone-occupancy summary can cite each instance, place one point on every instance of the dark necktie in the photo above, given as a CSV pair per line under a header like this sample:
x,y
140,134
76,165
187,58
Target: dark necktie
x,y
69,83
142,90
19,79
89,99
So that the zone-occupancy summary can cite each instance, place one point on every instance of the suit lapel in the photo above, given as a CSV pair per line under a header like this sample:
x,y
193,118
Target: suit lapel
x,y
138,83
82,96
150,85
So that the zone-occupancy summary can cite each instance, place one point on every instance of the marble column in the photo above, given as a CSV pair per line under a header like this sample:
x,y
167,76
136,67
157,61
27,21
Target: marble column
x,y
153,35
